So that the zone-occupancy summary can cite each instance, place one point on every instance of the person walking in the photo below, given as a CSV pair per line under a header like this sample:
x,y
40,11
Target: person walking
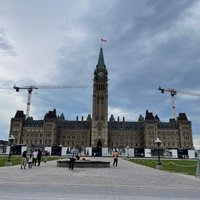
x,y
39,156
72,157
30,161
94,154
35,153
115,156
24,160
45,154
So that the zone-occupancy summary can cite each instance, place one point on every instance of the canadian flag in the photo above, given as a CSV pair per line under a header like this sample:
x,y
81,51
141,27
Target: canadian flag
x,y
103,40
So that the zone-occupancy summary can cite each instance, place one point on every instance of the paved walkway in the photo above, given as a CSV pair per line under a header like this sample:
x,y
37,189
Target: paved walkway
x,y
128,181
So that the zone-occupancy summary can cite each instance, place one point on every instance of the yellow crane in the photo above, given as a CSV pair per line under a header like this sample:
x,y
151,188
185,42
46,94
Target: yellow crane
x,y
32,87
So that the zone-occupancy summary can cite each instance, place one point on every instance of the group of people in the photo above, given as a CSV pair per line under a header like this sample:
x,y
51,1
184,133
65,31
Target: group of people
x,y
74,155
33,158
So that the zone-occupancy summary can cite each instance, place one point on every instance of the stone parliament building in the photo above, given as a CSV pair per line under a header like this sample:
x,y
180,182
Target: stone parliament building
x,y
101,134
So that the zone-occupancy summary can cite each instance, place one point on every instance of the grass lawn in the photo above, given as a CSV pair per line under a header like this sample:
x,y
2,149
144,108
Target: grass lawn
x,y
16,160
180,166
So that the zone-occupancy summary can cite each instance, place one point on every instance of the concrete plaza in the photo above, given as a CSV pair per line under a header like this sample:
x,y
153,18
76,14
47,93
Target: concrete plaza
x,y
128,181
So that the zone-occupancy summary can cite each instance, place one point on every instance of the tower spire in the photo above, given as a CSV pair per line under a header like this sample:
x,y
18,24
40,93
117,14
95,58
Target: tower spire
x,y
101,64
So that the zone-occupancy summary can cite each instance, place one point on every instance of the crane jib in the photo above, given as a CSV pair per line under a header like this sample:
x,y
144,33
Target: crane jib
x,y
32,87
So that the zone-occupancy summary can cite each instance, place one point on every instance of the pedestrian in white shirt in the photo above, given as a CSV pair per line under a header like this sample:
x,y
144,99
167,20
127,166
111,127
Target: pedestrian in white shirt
x,y
35,154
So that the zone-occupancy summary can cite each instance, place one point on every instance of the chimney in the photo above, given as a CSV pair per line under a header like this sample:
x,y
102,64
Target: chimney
x,y
118,119
82,118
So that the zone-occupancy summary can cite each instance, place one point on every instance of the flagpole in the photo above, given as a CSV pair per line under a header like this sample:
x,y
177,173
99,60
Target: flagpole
x,y
101,46
102,40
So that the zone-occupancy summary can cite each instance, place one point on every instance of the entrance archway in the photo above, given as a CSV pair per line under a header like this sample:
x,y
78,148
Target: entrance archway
x,y
97,151
99,144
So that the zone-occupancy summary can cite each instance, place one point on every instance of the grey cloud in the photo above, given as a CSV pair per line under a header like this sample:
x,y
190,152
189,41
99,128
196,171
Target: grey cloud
x,y
5,45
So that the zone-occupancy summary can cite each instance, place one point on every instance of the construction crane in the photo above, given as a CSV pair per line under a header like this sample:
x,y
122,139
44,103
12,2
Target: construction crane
x,y
32,87
173,93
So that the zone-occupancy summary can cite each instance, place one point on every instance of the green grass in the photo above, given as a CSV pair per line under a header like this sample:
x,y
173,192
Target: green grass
x,y
16,160
178,166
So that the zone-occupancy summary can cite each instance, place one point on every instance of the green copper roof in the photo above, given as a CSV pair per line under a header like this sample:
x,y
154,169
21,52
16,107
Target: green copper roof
x,y
101,64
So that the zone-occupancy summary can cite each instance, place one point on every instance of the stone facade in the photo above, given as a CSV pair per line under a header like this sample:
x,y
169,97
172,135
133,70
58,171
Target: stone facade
x,y
98,131
100,105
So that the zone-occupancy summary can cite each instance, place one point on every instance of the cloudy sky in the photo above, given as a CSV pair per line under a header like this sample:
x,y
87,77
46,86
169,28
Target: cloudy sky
x,y
149,43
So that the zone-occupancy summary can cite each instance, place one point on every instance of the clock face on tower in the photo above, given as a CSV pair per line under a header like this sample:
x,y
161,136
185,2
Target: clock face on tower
x,y
100,74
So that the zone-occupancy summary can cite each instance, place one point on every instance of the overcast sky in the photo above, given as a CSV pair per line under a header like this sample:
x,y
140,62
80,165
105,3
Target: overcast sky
x,y
149,43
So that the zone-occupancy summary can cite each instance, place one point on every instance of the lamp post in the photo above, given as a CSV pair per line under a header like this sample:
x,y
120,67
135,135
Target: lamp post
x,y
60,150
127,152
10,140
158,142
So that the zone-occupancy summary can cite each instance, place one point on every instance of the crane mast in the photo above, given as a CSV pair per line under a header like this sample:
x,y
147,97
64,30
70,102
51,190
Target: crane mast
x,y
28,102
31,88
173,93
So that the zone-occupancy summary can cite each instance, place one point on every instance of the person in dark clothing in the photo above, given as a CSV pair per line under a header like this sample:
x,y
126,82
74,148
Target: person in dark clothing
x,y
39,156
72,158
45,155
